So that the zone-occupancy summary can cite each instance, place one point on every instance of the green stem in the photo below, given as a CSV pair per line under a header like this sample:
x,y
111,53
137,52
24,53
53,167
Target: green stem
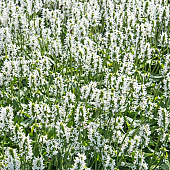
x,y
3,145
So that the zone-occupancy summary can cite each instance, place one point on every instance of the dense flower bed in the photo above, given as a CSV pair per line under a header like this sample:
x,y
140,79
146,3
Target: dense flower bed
x,y
84,84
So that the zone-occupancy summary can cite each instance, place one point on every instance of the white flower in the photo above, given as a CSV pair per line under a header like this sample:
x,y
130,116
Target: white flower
x,y
38,163
79,163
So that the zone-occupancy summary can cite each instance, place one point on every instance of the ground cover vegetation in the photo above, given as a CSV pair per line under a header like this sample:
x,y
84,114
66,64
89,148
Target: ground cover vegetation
x,y
84,84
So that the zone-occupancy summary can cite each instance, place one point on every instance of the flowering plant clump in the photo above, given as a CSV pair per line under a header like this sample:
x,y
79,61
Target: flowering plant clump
x,y
84,84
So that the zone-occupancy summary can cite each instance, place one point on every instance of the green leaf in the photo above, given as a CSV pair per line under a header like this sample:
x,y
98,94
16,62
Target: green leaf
x,y
152,167
70,124
167,164
148,154
156,77
85,143
51,133
129,165
164,167
153,129
28,122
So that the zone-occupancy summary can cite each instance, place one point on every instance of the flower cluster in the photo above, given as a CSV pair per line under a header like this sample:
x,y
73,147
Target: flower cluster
x,y
84,84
